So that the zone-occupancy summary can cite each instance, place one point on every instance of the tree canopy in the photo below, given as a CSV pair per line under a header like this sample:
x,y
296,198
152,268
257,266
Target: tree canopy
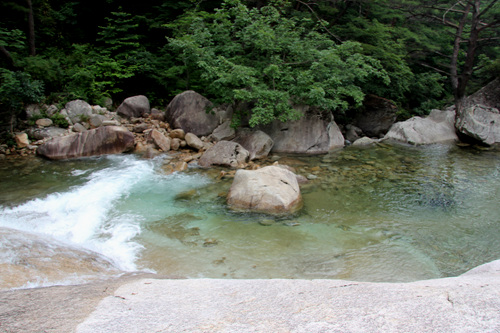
x,y
270,55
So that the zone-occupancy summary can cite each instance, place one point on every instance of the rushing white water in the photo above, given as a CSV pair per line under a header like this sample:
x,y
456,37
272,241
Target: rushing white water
x,y
87,216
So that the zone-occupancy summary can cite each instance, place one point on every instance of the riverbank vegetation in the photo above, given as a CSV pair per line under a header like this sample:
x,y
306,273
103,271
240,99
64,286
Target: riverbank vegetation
x,y
326,53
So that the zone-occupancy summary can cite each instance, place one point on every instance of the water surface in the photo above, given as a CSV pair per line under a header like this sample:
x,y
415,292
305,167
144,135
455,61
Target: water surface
x,y
385,213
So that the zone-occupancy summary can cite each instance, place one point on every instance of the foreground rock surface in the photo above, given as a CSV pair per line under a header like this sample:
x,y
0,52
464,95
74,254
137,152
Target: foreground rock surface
x,y
271,190
468,303
100,141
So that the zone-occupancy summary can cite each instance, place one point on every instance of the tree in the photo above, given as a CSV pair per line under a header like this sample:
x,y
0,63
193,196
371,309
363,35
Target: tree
x,y
469,23
271,61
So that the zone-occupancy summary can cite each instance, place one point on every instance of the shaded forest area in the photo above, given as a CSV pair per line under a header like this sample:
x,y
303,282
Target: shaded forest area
x,y
326,53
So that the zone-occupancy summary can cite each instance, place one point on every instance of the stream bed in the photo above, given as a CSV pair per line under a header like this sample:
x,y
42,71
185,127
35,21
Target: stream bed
x,y
388,213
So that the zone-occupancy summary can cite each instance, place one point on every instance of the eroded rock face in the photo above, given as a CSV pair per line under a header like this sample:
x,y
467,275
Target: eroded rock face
x,y
270,190
188,111
312,134
437,127
224,153
481,123
100,141
258,143
136,106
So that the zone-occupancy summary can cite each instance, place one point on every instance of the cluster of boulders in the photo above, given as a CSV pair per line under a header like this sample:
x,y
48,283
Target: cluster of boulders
x,y
196,132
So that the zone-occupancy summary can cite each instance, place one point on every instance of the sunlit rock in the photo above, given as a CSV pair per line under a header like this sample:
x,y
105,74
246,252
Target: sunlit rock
x,y
271,190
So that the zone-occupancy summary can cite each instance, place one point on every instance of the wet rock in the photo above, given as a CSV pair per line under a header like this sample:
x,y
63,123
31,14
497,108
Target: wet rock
x,y
178,166
481,123
270,190
136,106
190,112
266,222
224,153
377,117
100,141
364,141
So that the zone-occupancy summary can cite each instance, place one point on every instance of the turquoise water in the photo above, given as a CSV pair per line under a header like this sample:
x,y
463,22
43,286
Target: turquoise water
x,y
385,213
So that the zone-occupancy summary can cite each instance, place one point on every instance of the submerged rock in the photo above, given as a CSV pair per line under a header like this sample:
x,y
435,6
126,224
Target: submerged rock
x,y
100,141
271,190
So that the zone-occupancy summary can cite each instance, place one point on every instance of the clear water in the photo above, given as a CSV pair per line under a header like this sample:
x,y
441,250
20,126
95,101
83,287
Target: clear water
x,y
386,213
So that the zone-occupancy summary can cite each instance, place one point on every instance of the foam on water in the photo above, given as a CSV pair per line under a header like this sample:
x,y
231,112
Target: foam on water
x,y
86,215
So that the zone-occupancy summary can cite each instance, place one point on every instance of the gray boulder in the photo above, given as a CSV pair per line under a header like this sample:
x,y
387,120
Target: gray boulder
x,y
190,112
136,106
96,120
46,132
271,190
437,127
193,141
481,123
314,133
223,132
224,153
100,141
258,143
480,117
78,110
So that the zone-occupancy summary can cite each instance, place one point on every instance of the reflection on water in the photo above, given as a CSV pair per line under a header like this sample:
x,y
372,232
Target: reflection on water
x,y
384,213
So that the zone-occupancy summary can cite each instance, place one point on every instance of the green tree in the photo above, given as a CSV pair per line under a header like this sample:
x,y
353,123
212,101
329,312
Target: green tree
x,y
272,61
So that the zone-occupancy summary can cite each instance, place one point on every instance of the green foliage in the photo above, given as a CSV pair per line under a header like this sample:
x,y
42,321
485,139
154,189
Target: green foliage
x,y
59,120
262,57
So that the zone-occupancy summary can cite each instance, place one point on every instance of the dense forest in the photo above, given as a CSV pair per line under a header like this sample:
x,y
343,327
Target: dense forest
x,y
330,54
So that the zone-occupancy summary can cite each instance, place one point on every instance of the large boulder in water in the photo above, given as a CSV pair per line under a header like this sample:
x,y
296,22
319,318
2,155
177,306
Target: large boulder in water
x,y
270,190
190,111
314,133
136,106
224,153
437,127
100,141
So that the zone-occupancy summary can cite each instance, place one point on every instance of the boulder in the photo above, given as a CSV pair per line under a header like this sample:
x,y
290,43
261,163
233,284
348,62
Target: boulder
x,y
96,120
100,141
270,190
33,110
481,123
79,128
437,127
160,140
258,143
44,122
224,153
22,140
314,133
47,132
78,111
136,106
364,141
177,133
157,114
139,128
193,141
51,110
353,133
377,116
480,118
223,132
190,111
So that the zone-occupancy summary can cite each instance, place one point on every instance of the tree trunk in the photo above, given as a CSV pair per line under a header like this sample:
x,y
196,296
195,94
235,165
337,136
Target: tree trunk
x,y
31,29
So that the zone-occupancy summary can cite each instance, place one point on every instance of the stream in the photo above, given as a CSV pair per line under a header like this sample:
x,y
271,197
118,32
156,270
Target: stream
x,y
388,213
